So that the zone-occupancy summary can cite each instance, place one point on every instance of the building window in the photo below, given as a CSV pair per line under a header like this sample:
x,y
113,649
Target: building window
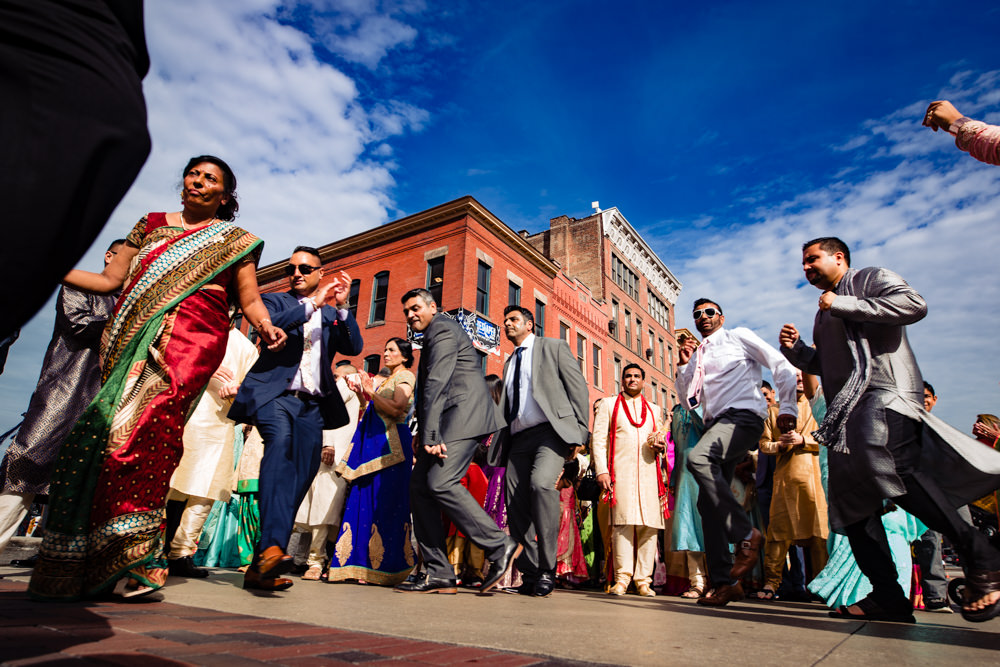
x,y
618,376
539,319
380,294
628,329
662,356
482,361
435,279
372,362
624,277
638,336
670,361
483,289
513,294
651,349
595,359
581,346
658,309
655,392
665,406
614,319
564,331
352,297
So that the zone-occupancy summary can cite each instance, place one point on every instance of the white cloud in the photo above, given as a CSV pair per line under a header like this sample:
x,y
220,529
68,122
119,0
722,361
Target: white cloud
x,y
930,215
313,160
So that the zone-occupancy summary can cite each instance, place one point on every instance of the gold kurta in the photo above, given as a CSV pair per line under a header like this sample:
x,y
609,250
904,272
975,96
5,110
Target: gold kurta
x,y
206,467
798,504
636,489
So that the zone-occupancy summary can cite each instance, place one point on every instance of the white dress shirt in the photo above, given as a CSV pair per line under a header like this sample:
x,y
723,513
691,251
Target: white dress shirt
x,y
732,360
529,413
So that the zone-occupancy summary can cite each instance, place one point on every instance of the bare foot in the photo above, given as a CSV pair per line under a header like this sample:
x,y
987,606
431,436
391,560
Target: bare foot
x,y
983,602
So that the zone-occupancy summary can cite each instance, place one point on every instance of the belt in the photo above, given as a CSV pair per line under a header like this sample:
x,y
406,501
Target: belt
x,y
301,395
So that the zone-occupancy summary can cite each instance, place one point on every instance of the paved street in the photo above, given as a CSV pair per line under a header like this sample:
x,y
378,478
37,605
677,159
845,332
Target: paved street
x,y
214,622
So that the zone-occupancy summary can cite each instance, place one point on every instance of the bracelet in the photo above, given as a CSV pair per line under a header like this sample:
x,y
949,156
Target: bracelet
x,y
261,323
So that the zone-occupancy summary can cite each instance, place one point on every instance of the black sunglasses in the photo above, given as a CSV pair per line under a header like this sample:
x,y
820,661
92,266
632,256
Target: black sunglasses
x,y
707,312
304,269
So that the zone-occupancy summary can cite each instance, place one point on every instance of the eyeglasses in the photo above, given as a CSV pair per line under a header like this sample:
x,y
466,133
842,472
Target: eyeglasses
x,y
706,312
304,269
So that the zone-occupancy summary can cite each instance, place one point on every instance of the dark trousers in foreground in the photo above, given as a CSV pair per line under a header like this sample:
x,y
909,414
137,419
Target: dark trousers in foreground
x,y
292,431
924,500
536,459
73,137
713,463
435,487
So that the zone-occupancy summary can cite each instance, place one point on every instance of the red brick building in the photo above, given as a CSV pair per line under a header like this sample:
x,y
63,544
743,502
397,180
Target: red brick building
x,y
636,289
475,265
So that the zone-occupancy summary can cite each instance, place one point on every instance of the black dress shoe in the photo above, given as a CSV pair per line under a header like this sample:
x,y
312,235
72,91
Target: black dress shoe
x,y
185,567
544,586
527,588
430,585
501,565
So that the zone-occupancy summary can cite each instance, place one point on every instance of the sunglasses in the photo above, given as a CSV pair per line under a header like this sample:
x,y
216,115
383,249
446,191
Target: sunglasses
x,y
706,312
304,269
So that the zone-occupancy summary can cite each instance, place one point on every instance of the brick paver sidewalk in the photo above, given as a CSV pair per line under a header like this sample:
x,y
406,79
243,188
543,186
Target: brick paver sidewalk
x,y
157,634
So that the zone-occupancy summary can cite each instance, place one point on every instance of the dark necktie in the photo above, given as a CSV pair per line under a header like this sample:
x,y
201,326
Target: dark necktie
x,y
514,405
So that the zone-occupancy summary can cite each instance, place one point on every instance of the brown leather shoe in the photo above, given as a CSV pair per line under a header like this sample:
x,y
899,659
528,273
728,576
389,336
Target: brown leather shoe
x,y
723,595
253,581
273,562
747,554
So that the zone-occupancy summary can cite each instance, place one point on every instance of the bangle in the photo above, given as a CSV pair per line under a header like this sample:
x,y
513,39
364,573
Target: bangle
x,y
261,323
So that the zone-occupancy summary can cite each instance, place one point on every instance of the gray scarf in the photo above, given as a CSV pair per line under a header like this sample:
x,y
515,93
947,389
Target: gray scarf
x,y
832,432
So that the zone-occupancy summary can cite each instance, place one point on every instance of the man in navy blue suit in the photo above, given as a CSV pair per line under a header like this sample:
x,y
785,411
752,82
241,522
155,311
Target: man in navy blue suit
x,y
290,396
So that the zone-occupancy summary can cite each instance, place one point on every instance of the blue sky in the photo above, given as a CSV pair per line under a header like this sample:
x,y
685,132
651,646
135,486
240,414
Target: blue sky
x,y
727,134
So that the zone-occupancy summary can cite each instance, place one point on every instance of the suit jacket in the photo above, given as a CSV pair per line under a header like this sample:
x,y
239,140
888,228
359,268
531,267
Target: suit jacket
x,y
453,402
560,390
274,371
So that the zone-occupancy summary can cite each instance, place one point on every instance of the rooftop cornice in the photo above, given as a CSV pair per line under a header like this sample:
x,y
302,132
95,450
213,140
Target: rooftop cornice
x,y
628,241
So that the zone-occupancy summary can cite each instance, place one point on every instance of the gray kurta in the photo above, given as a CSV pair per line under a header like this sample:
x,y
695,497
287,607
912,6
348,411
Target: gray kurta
x,y
882,303
71,377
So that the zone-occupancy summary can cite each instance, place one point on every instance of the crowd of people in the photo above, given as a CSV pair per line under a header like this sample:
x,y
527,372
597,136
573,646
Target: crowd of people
x,y
167,442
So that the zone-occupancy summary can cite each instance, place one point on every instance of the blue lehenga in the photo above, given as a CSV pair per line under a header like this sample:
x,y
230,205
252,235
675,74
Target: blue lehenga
x,y
374,541
686,429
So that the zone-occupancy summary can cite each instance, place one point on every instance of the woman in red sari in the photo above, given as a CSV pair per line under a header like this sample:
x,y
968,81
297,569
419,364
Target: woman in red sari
x,y
182,275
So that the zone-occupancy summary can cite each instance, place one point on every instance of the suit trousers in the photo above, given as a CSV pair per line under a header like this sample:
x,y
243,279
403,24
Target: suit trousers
x,y
435,487
933,579
536,459
924,500
713,462
634,554
292,431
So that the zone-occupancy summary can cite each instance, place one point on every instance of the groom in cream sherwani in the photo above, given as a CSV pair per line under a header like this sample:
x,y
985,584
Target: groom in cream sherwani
x,y
626,449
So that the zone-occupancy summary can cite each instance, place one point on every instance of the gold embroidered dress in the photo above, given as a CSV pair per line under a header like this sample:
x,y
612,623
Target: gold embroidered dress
x,y
374,541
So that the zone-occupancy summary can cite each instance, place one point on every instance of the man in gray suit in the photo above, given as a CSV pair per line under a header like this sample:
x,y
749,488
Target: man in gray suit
x,y
882,443
547,407
454,411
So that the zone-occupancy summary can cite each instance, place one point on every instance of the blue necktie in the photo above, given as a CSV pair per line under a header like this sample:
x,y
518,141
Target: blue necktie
x,y
514,405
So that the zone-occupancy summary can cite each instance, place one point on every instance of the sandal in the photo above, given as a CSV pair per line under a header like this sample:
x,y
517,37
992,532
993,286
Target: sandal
x,y
977,585
872,611
130,588
693,593
765,595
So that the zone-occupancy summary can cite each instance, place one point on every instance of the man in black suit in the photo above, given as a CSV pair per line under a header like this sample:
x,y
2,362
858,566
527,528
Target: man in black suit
x,y
547,406
454,411
290,396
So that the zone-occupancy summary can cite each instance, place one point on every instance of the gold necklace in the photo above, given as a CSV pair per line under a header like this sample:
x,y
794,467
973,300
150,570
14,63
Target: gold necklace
x,y
186,225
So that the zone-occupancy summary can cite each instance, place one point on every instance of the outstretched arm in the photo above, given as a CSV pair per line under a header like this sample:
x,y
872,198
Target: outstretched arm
x,y
980,140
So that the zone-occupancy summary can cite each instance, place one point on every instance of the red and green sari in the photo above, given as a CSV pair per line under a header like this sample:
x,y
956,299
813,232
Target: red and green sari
x,y
168,335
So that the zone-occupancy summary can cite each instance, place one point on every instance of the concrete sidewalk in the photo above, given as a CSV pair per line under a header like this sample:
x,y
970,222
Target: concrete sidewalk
x,y
213,621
